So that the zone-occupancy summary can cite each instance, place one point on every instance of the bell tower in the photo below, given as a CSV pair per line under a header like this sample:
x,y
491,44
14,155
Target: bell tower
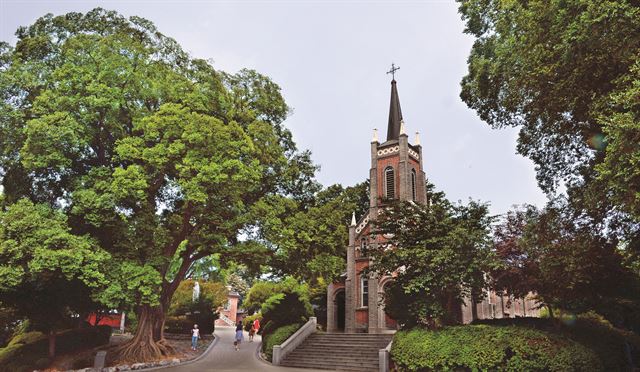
x,y
396,174
396,165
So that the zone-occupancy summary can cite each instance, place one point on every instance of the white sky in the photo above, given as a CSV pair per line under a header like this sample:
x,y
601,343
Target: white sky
x,y
330,58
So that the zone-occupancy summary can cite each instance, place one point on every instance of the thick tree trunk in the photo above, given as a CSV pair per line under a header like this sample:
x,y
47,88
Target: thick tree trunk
x,y
148,343
52,344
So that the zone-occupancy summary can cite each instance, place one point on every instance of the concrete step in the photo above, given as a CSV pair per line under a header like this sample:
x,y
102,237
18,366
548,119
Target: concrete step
x,y
332,366
328,350
339,351
333,359
348,345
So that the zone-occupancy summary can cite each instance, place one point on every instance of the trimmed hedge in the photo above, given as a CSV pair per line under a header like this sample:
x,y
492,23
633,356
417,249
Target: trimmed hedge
x,y
485,347
29,351
277,337
617,349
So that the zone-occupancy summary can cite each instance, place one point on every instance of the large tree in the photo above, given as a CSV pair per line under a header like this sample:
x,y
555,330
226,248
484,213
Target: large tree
x,y
565,72
155,155
308,239
438,254
565,260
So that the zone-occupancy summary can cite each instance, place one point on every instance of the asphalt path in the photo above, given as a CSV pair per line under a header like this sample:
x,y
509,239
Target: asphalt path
x,y
224,357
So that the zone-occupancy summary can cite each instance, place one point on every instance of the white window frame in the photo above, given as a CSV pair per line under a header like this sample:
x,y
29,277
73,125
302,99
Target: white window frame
x,y
364,295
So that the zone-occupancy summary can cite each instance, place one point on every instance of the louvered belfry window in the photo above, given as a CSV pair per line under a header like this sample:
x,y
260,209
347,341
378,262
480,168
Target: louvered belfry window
x,y
390,185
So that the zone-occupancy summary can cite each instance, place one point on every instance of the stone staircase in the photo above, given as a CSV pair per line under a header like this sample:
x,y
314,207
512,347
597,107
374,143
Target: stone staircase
x,y
339,351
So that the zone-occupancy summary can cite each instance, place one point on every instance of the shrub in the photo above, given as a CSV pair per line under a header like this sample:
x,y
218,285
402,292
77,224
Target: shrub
x,y
485,347
258,294
26,338
289,307
277,337
614,346
27,351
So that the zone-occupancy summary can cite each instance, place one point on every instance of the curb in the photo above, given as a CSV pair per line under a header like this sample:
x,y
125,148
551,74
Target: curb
x,y
204,353
259,355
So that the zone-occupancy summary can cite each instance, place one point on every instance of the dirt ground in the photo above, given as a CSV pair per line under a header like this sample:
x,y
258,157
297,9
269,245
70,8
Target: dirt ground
x,y
84,358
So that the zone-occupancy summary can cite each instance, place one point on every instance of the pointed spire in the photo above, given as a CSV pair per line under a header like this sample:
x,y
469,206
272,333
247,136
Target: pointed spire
x,y
402,130
417,140
395,114
353,219
375,135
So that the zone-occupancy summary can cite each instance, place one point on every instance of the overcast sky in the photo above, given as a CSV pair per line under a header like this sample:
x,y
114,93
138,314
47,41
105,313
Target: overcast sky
x,y
330,58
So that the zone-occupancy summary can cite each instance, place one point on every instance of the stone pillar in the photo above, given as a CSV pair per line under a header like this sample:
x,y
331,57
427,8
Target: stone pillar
x,y
373,176
350,283
331,310
373,302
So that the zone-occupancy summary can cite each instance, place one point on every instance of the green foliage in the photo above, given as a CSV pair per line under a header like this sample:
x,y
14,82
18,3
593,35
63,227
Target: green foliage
x,y
484,347
46,271
560,70
185,312
258,295
247,321
238,284
290,305
309,239
566,72
152,155
28,350
9,323
442,254
564,260
277,337
27,338
212,296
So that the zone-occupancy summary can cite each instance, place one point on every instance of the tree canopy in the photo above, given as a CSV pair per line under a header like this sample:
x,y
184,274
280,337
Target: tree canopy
x,y
565,72
438,254
151,154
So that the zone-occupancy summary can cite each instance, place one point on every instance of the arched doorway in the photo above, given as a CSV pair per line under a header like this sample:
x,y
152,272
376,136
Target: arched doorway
x,y
385,322
340,310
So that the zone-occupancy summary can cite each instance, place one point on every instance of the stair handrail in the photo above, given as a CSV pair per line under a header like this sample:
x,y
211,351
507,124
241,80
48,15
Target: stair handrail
x,y
226,319
384,357
281,351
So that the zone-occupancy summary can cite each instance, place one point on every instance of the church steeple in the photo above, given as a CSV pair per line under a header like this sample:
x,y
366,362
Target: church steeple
x,y
395,113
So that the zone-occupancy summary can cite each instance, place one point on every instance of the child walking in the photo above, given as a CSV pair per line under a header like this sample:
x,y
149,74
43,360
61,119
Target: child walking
x,y
239,335
195,335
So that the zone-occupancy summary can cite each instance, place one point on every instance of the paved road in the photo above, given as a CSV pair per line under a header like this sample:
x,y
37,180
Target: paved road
x,y
224,357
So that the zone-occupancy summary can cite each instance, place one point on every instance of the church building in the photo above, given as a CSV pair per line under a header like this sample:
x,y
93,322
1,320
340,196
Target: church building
x,y
355,303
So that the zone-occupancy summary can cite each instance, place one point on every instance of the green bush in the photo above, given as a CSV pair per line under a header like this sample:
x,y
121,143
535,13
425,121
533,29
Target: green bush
x,y
27,351
277,337
485,347
26,338
288,307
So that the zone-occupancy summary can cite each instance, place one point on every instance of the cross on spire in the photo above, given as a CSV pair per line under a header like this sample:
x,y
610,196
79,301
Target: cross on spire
x,y
393,70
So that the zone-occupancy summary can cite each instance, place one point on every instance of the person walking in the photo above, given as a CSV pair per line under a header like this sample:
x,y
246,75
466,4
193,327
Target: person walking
x,y
239,335
256,324
195,335
252,332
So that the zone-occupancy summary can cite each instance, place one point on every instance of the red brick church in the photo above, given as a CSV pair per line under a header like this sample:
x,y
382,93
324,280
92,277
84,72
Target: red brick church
x,y
354,304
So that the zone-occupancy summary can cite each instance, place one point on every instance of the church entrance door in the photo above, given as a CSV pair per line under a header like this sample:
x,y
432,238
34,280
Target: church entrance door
x,y
340,310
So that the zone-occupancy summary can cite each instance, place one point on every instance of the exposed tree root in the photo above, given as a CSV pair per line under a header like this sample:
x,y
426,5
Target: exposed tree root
x,y
148,344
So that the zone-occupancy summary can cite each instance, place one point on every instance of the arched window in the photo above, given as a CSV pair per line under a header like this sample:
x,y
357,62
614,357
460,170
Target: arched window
x,y
364,291
390,185
363,245
413,184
